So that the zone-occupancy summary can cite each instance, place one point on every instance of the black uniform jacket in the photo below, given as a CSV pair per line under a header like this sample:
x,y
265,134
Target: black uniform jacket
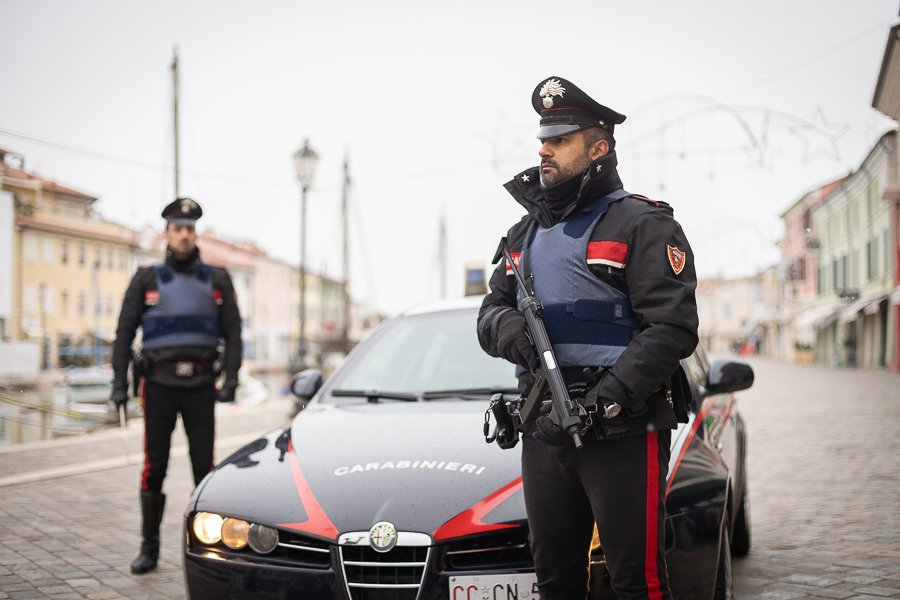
x,y
664,301
134,307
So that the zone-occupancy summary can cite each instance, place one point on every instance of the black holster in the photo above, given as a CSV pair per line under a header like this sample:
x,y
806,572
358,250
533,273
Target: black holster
x,y
140,368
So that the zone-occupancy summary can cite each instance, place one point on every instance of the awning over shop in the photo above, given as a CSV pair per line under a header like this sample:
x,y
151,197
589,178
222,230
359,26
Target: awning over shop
x,y
830,319
875,305
812,316
851,311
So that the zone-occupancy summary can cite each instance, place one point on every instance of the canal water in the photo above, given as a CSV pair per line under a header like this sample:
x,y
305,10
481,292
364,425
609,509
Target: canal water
x,y
77,403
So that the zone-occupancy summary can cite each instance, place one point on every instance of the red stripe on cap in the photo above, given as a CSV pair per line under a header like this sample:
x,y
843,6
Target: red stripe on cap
x,y
615,252
543,110
650,572
317,522
470,521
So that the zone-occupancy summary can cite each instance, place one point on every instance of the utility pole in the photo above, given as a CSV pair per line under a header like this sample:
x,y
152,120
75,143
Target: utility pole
x,y
442,256
175,107
345,332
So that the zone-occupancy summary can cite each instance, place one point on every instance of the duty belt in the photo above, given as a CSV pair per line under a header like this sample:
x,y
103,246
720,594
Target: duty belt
x,y
182,368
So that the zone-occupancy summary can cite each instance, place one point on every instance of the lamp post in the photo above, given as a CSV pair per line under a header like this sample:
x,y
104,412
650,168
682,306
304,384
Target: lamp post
x,y
305,163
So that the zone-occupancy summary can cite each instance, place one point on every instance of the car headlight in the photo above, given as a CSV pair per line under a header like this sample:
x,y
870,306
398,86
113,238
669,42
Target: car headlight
x,y
262,539
208,527
234,533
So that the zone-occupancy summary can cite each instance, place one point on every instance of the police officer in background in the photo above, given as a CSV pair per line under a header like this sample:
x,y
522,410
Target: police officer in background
x,y
186,308
615,274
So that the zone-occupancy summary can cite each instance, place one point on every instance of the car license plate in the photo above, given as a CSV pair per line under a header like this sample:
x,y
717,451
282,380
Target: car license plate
x,y
495,587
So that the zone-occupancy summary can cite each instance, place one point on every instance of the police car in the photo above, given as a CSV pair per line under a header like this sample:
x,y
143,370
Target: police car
x,y
384,488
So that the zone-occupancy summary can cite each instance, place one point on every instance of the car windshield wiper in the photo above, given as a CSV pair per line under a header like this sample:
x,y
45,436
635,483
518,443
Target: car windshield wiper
x,y
466,392
375,396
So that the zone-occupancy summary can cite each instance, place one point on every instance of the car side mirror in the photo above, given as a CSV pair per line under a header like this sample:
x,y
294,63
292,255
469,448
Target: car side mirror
x,y
726,375
306,383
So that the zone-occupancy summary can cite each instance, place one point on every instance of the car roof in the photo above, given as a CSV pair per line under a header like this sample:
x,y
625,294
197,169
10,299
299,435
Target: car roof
x,y
464,303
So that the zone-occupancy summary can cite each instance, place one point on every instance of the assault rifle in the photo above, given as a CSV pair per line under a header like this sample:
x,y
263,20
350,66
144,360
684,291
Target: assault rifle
x,y
565,413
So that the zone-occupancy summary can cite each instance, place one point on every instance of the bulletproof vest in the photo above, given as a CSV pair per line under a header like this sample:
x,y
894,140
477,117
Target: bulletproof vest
x,y
589,322
186,313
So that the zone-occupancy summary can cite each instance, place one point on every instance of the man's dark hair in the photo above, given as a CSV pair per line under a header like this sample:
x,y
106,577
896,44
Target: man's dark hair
x,y
592,135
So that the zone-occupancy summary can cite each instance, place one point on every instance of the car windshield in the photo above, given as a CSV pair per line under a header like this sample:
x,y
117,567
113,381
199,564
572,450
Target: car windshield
x,y
422,354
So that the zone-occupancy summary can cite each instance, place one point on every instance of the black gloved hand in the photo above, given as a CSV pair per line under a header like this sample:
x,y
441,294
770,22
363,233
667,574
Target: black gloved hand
x,y
512,341
226,394
119,396
548,432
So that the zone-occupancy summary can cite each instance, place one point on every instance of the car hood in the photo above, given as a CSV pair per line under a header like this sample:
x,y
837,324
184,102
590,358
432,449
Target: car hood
x,y
423,466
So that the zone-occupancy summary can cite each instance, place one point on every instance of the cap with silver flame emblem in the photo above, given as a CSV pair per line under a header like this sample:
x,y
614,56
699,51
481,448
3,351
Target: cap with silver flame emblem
x,y
382,536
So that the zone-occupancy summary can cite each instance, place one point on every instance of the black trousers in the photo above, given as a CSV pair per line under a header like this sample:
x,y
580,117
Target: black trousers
x,y
162,404
620,485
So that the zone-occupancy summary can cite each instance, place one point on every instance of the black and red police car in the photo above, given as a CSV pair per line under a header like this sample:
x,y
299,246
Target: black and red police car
x,y
383,487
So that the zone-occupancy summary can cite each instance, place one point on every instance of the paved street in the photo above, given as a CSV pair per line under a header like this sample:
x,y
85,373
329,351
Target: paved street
x,y
824,484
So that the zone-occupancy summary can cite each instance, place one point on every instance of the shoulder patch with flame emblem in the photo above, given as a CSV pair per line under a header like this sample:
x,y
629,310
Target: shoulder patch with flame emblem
x,y
676,259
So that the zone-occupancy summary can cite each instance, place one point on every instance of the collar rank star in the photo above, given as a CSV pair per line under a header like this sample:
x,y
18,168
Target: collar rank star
x,y
676,259
382,536
525,178
551,88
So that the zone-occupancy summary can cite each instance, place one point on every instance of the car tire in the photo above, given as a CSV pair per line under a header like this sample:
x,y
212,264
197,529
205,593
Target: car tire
x,y
724,575
740,538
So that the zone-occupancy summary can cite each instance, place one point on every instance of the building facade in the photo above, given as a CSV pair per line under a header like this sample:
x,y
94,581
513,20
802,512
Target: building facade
x,y
70,270
800,275
855,311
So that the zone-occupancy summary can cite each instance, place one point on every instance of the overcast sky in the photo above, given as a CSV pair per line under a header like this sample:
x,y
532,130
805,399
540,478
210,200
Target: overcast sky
x,y
735,110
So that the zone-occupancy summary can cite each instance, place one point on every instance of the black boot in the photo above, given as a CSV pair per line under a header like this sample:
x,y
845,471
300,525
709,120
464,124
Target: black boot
x,y
152,505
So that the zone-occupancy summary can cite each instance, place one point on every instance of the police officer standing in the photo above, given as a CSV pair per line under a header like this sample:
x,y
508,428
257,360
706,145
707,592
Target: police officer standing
x,y
615,275
186,308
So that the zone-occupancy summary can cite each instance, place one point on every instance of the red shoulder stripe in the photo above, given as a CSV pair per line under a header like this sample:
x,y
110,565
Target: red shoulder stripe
x,y
645,199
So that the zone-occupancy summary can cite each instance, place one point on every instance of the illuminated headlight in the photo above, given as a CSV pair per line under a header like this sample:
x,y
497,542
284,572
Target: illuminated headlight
x,y
208,527
262,539
234,533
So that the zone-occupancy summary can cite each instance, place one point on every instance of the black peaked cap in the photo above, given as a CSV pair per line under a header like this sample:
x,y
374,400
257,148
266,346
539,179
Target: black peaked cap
x,y
564,108
183,211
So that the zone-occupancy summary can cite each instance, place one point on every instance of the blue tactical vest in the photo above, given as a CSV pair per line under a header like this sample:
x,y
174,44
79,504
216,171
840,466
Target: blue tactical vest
x,y
589,322
186,313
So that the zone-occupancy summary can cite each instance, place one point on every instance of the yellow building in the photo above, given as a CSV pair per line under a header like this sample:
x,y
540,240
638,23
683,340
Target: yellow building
x,y
70,269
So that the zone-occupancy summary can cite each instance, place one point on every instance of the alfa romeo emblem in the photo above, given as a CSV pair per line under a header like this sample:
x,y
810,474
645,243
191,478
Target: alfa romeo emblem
x,y
382,536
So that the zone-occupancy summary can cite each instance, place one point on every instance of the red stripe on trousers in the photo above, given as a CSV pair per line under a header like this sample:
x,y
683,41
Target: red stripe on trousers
x,y
146,471
650,571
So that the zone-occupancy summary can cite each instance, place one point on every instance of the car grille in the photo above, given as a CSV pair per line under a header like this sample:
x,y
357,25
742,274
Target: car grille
x,y
505,550
393,575
302,550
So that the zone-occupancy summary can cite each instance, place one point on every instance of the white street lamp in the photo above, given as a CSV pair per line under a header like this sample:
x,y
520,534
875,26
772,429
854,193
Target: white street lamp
x,y
305,164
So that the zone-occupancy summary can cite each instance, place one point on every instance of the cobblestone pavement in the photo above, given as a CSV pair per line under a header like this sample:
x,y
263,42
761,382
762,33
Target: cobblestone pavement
x,y
824,484
824,489
74,536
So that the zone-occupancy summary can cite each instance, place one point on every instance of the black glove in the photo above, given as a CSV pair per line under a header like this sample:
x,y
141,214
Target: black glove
x,y
119,396
226,394
548,432
512,341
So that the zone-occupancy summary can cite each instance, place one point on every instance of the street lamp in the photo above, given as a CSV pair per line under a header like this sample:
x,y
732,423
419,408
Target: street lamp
x,y
305,163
